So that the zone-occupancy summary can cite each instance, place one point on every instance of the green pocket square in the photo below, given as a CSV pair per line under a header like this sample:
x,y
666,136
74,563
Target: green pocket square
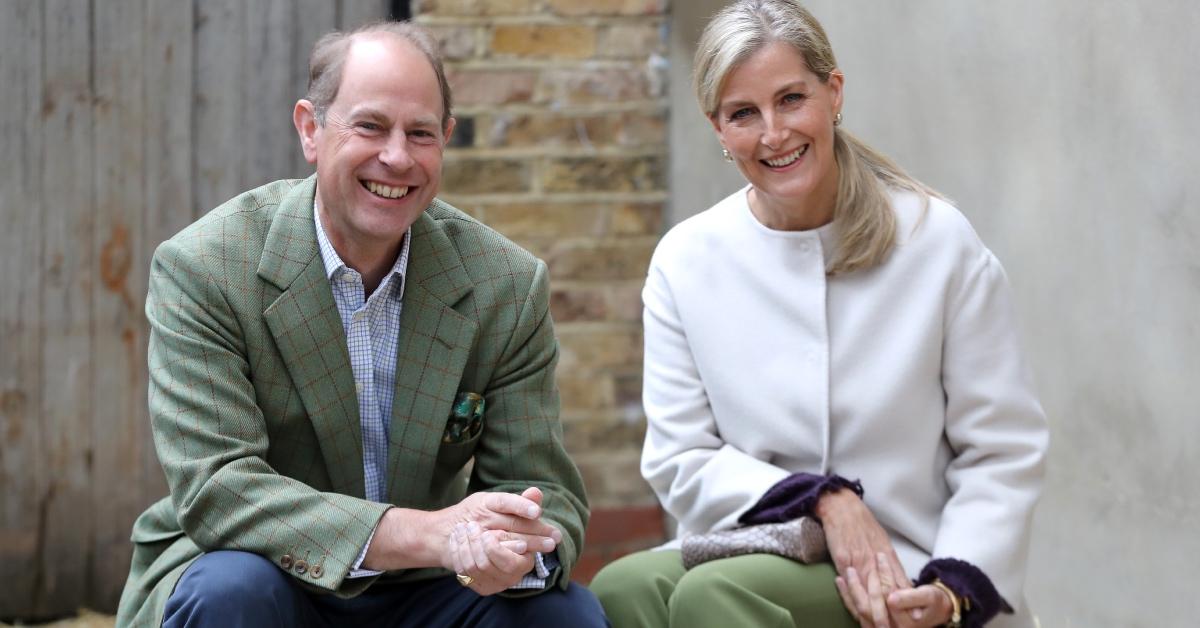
x,y
466,418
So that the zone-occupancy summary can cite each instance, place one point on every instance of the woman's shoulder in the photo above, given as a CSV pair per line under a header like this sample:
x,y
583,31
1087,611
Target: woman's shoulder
x,y
699,233
934,226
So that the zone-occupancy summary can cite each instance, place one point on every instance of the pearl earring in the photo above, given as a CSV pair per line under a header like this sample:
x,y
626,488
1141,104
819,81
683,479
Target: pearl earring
x,y
726,155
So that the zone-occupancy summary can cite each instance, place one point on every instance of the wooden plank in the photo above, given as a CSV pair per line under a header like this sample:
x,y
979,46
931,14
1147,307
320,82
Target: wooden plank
x,y
21,475
313,18
269,138
118,412
354,13
167,90
220,105
65,273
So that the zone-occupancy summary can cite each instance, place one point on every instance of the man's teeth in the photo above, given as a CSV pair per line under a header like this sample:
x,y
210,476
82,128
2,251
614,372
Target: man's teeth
x,y
787,159
386,191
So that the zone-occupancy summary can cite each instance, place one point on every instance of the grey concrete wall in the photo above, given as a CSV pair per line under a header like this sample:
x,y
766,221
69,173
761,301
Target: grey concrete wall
x,y
1069,133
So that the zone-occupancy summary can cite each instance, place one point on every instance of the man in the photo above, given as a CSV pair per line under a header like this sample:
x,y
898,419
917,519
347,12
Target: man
x,y
316,441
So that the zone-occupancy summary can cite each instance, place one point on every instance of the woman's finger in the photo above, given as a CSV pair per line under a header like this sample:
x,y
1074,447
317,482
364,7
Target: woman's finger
x,y
858,593
847,601
875,593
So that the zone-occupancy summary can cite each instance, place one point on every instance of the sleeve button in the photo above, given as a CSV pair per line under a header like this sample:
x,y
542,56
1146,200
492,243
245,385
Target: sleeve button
x,y
301,567
316,572
285,561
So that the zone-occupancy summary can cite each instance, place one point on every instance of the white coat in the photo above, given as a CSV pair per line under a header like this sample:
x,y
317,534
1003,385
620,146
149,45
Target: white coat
x,y
907,376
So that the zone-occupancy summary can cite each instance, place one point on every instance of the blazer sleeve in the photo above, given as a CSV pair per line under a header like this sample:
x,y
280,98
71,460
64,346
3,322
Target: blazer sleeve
x,y
211,438
996,430
522,445
703,481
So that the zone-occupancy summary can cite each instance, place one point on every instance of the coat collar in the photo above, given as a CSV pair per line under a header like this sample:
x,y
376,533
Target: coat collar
x,y
435,341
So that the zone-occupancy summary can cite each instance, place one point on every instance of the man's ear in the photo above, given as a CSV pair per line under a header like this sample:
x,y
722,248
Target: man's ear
x,y
304,116
448,132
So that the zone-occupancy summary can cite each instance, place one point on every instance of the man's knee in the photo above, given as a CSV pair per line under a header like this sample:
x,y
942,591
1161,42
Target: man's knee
x,y
575,606
231,588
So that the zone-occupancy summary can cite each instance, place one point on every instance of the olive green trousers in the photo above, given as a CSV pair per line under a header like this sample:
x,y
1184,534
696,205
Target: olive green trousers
x,y
652,590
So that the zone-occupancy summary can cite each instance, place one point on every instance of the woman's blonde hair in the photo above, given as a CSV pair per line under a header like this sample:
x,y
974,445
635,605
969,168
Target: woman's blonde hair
x,y
862,214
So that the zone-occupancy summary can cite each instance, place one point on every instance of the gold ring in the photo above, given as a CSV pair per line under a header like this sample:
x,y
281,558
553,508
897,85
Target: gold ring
x,y
464,579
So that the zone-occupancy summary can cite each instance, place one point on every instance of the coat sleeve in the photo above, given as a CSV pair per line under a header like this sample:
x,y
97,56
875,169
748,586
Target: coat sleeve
x,y
522,445
703,481
211,438
996,430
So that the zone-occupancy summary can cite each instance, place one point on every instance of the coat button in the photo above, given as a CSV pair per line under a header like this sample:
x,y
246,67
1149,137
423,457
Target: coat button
x,y
316,572
285,561
301,567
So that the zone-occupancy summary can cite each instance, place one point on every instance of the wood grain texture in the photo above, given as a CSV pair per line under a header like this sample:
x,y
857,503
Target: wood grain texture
x,y
21,477
118,328
68,222
124,120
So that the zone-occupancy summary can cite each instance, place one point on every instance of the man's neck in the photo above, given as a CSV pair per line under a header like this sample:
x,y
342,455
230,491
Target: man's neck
x,y
371,259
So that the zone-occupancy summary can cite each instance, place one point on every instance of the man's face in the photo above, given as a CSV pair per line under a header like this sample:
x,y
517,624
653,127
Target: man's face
x,y
379,153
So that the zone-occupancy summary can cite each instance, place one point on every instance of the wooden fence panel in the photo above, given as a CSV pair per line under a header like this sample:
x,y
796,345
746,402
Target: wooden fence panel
x,y
118,288
123,121
222,111
167,172
20,300
68,211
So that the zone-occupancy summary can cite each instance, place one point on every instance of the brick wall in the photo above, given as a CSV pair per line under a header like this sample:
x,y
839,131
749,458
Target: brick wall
x,y
561,145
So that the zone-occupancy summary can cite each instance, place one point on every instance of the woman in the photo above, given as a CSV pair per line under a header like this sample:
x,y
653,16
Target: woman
x,y
834,319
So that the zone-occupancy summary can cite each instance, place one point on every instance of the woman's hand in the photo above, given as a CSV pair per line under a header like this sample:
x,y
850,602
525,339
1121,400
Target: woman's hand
x,y
856,542
922,607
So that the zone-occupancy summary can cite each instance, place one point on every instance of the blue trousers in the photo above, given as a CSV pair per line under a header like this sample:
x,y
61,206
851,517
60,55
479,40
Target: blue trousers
x,y
231,589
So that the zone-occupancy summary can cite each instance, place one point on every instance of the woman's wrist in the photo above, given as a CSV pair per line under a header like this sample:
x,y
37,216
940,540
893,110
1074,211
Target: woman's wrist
x,y
958,604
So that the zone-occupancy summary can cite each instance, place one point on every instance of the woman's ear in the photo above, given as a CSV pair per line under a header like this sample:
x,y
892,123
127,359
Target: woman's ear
x,y
836,82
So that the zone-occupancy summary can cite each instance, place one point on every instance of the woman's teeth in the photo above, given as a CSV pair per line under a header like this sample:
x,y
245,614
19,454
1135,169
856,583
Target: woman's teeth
x,y
787,159
386,191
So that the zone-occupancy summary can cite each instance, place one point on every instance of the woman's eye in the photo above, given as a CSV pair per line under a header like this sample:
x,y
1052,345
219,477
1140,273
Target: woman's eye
x,y
793,98
741,114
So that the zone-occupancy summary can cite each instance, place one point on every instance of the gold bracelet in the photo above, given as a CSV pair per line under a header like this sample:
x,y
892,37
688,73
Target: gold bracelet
x,y
955,604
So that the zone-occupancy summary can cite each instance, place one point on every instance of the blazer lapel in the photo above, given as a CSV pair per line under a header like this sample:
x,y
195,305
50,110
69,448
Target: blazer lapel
x,y
307,330
435,341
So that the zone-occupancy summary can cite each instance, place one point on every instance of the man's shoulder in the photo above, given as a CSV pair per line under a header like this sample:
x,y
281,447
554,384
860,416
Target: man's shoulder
x,y
247,213
480,247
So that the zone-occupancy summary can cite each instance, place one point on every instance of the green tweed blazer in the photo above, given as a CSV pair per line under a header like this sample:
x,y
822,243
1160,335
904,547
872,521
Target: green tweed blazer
x,y
254,410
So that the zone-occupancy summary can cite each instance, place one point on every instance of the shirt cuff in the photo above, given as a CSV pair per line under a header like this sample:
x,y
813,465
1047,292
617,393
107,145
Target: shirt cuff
x,y
543,565
356,570
983,601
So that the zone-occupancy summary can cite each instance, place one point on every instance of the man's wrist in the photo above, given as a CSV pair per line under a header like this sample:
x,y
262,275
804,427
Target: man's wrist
x,y
402,541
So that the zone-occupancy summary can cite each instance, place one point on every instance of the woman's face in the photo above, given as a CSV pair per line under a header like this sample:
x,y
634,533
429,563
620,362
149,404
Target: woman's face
x,y
775,117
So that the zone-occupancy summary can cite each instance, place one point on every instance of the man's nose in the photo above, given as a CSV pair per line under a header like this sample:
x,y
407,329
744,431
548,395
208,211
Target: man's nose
x,y
395,153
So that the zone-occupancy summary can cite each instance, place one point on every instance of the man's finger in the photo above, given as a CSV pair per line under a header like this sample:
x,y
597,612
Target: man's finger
x,y
515,505
533,494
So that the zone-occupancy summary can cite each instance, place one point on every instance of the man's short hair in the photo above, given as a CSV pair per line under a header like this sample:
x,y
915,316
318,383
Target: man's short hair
x,y
329,55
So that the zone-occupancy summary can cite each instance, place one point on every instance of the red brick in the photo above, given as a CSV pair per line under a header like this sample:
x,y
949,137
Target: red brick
x,y
631,524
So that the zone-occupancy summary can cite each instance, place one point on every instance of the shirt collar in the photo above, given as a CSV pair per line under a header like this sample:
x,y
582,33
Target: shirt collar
x,y
334,266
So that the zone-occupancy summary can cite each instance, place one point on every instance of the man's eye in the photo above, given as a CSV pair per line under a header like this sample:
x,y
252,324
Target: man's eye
x,y
368,126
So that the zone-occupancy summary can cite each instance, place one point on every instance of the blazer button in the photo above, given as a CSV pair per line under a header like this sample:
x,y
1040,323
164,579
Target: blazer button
x,y
301,567
316,572
285,561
